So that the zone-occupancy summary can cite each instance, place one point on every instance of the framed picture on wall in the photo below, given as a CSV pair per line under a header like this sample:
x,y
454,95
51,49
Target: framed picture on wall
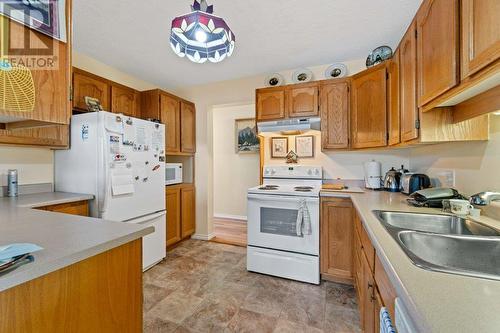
x,y
279,147
247,140
304,146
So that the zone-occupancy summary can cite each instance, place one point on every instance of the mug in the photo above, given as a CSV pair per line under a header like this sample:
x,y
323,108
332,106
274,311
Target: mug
x,y
460,207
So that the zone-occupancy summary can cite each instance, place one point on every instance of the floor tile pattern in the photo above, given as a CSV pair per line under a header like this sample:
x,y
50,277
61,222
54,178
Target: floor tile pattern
x,y
205,287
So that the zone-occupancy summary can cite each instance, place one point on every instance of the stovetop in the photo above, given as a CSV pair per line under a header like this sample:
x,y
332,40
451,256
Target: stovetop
x,y
301,190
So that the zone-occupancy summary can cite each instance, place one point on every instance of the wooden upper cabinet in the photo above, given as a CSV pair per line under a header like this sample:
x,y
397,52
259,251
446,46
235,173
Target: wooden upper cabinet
x,y
393,106
173,204
270,104
188,127
480,34
89,85
170,115
124,100
303,100
337,239
437,48
369,108
408,79
188,210
334,101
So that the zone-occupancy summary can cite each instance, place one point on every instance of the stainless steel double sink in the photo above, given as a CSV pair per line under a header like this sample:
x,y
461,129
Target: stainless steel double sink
x,y
445,243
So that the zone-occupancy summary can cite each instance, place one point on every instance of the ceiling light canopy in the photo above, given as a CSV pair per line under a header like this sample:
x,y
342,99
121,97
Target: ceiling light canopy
x,y
201,36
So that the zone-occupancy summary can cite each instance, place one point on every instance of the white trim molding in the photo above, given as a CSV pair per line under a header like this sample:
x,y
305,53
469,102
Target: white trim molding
x,y
230,217
203,237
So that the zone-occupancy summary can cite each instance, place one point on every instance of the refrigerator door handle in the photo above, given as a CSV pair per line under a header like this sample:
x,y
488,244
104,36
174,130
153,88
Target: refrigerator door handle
x,y
147,218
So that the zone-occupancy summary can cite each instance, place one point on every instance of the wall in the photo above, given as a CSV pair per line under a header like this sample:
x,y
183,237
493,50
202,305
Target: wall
x,y
34,165
476,164
241,91
338,164
233,173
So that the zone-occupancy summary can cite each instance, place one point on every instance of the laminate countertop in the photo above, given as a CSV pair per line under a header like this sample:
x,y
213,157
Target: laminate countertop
x,y
437,302
66,239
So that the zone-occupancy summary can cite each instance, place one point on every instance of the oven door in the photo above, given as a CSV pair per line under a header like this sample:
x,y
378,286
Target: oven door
x,y
272,221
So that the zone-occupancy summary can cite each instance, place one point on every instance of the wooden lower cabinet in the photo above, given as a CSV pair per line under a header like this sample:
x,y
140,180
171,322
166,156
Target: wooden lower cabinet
x,y
80,208
336,239
99,294
181,214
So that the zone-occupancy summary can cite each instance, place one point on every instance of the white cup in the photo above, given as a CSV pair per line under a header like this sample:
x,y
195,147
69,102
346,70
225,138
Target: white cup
x,y
460,207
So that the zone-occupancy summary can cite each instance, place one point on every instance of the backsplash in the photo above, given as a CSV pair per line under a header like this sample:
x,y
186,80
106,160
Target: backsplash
x,y
34,165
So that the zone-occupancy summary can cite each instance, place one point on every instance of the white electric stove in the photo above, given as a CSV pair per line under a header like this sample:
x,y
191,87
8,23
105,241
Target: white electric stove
x,y
274,245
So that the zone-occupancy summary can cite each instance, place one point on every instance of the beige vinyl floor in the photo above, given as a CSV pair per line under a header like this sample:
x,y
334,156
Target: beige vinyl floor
x,y
205,287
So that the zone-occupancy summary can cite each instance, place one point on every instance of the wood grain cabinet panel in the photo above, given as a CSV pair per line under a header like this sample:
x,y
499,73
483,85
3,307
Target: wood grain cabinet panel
x,y
188,213
170,115
303,100
393,105
173,204
408,79
386,290
86,84
368,315
336,239
334,101
270,104
80,208
437,48
369,108
480,34
188,127
124,100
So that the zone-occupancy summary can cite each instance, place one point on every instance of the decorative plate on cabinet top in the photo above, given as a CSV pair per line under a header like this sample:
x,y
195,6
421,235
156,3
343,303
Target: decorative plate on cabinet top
x,y
378,55
274,80
302,75
336,71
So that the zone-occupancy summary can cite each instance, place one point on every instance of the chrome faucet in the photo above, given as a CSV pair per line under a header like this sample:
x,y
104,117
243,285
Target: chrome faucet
x,y
484,198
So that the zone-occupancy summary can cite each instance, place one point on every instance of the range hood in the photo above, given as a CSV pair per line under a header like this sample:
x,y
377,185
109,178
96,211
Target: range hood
x,y
295,124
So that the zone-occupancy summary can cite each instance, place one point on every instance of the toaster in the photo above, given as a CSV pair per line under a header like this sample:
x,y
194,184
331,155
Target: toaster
x,y
412,182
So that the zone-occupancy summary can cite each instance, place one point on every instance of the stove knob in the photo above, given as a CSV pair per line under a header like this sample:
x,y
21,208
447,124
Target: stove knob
x,y
309,172
273,171
316,171
266,171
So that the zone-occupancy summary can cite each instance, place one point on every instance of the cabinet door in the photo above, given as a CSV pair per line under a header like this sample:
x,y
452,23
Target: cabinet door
x,y
334,101
124,100
173,204
393,106
336,239
170,115
87,85
188,128
368,316
303,100
270,104
408,79
377,306
480,34
188,211
80,208
368,109
437,48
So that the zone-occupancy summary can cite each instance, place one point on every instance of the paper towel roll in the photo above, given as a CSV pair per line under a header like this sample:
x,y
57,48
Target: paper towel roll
x,y
373,174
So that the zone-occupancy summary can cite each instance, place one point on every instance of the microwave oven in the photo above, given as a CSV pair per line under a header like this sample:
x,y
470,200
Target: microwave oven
x,y
173,173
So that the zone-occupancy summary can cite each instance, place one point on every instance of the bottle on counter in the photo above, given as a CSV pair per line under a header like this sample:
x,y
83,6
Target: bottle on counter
x,y
12,186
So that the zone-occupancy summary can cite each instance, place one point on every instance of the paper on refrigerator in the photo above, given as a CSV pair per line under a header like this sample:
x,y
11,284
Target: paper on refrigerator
x,y
122,180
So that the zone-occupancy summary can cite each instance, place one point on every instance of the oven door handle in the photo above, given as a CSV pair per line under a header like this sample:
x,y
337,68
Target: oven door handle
x,y
280,198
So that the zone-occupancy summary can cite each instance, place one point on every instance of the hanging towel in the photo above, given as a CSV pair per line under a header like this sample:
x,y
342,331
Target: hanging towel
x,y
303,224
386,322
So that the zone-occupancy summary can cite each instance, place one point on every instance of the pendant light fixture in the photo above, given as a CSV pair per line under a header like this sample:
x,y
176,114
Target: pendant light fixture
x,y
201,36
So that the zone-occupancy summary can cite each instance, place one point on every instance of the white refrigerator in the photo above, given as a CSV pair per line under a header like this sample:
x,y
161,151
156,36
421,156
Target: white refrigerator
x,y
121,161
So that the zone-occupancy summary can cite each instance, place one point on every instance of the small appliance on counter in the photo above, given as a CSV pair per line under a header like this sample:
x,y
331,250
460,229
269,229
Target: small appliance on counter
x,y
173,173
433,197
412,182
373,175
392,180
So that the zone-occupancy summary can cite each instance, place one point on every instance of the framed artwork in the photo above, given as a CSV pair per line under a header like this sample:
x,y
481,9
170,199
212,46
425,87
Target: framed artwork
x,y
247,140
304,146
45,16
279,147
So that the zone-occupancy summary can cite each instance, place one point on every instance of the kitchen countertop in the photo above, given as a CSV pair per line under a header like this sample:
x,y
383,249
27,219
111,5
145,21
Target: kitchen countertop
x,y
66,239
438,302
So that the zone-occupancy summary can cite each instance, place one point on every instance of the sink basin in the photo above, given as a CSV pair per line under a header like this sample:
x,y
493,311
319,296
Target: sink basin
x,y
463,255
434,223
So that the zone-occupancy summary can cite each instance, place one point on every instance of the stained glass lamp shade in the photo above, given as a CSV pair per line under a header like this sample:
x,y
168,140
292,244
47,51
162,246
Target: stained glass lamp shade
x,y
201,36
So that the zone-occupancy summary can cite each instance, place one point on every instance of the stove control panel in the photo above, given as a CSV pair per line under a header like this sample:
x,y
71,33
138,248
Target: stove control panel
x,y
295,171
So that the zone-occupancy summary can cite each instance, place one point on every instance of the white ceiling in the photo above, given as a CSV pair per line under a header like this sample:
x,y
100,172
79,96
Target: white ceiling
x,y
133,35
